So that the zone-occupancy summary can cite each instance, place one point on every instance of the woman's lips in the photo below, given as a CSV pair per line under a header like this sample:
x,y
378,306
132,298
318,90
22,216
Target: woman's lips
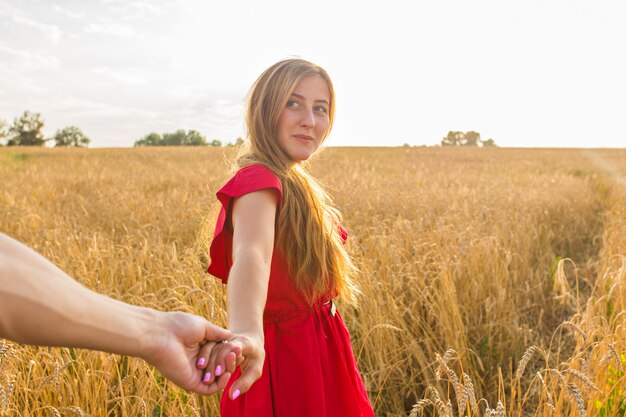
x,y
303,137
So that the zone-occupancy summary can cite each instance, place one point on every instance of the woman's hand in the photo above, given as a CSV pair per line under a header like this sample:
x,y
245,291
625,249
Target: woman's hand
x,y
221,358
229,357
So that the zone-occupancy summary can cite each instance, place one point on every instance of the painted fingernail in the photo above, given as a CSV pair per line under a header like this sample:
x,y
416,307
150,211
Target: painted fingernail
x,y
218,370
207,376
201,362
236,394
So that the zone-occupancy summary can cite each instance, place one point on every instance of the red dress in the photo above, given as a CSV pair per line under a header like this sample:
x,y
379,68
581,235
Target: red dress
x,y
309,367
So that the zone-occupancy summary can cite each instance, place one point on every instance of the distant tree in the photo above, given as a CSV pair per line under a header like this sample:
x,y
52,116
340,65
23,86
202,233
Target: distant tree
x,y
238,142
27,130
151,139
178,138
471,138
453,138
194,138
489,142
215,142
174,139
4,131
71,136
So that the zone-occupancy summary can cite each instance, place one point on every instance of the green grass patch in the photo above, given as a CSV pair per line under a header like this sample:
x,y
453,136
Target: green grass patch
x,y
14,158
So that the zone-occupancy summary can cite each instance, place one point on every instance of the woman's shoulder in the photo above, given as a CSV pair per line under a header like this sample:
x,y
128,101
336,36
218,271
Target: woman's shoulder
x,y
248,179
257,170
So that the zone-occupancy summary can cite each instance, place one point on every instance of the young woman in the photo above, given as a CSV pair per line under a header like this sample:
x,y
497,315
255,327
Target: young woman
x,y
279,247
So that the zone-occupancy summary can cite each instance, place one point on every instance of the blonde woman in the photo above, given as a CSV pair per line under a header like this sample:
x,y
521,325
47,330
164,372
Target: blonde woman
x,y
279,247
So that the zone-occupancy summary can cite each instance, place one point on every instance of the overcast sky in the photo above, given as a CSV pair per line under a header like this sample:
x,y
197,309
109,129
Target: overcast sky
x,y
525,73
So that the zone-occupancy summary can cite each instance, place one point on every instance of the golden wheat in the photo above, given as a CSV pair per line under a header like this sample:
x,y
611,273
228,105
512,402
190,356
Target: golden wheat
x,y
483,251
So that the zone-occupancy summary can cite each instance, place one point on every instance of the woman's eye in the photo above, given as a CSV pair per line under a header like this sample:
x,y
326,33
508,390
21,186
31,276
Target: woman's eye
x,y
321,109
292,103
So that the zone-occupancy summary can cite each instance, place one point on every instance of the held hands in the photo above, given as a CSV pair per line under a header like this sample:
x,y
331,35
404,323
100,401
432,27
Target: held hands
x,y
176,347
188,350
47,307
220,359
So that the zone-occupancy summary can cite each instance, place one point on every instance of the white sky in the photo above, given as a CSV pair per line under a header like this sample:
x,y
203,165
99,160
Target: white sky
x,y
525,73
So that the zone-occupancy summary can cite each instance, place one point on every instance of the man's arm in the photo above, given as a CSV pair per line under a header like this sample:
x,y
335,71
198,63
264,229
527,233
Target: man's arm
x,y
41,305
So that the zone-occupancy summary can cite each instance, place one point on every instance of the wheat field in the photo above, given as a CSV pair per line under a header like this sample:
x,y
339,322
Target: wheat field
x,y
493,280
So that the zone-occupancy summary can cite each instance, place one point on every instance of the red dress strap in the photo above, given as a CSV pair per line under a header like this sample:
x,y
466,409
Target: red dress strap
x,y
247,180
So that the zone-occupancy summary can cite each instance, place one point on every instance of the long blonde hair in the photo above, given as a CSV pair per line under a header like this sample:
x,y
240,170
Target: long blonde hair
x,y
308,223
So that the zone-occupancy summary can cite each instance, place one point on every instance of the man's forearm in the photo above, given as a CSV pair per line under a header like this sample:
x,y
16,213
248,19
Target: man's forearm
x,y
42,305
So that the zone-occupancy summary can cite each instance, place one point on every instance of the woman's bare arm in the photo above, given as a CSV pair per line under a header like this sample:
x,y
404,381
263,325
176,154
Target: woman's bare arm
x,y
253,219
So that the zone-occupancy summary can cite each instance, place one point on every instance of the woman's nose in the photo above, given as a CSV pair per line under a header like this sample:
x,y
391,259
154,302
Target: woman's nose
x,y
308,118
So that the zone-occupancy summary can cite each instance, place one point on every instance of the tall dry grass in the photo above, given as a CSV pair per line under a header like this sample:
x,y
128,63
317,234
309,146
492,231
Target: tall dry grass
x,y
467,258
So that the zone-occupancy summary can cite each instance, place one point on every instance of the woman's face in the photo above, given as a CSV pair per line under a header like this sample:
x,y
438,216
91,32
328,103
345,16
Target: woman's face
x,y
303,123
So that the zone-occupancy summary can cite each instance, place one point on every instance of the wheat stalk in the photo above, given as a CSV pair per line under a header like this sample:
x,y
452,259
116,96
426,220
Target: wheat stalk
x,y
547,392
521,366
615,355
580,403
55,412
583,378
576,328
468,392
418,406
74,410
452,377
